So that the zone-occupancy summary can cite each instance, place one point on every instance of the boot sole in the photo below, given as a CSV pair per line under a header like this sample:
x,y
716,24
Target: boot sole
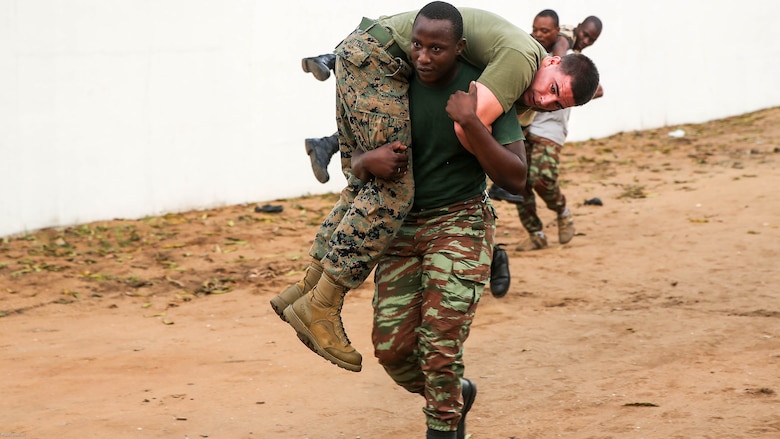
x,y
307,338
315,69
320,173
279,306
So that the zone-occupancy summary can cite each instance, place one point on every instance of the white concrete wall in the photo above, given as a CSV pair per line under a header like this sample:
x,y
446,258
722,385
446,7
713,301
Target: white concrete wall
x,y
128,108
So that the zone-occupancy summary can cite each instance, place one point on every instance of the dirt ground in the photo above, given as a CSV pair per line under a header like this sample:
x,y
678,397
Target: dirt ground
x,y
661,319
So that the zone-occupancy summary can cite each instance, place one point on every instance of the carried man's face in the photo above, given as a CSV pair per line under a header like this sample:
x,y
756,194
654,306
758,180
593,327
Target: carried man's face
x,y
550,89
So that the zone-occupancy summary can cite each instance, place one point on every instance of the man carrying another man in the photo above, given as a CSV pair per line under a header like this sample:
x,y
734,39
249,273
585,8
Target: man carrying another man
x,y
429,281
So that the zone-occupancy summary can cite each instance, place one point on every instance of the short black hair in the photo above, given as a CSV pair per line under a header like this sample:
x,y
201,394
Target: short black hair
x,y
550,13
593,19
444,11
584,76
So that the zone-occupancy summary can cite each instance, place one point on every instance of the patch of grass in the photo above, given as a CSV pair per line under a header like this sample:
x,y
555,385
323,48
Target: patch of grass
x,y
633,191
97,277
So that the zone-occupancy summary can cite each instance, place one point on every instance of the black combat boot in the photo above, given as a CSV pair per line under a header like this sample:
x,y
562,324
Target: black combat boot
x,y
319,66
500,278
498,193
320,151
469,393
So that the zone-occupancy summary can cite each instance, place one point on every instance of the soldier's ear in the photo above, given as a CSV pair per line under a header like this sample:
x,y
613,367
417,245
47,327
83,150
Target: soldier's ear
x,y
460,46
551,60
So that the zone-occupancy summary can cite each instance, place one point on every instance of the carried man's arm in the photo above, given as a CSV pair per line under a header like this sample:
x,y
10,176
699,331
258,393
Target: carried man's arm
x,y
504,164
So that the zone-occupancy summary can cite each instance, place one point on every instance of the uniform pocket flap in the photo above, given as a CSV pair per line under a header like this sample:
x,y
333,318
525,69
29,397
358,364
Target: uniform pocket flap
x,y
471,271
354,50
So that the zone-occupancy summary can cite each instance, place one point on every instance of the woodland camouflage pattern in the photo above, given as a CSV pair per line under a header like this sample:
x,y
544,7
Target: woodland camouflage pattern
x,y
373,109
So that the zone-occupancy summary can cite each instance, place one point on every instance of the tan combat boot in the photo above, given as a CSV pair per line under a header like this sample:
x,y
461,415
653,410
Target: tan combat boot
x,y
565,227
535,241
298,289
316,318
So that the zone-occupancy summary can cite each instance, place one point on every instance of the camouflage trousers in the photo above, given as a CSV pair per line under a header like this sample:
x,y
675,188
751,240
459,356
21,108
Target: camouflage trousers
x,y
428,285
543,158
372,110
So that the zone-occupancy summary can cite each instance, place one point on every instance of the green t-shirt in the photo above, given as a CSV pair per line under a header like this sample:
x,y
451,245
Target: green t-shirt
x,y
444,171
509,55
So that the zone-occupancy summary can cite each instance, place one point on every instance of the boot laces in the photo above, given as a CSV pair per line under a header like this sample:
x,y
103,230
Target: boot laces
x,y
340,327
